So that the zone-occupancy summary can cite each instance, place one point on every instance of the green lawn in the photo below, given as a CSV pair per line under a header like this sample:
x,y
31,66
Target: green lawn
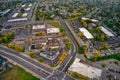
x,y
17,73
54,24
79,76
113,56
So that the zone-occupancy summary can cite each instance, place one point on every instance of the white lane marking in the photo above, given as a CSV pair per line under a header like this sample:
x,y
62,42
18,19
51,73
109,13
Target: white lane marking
x,y
26,61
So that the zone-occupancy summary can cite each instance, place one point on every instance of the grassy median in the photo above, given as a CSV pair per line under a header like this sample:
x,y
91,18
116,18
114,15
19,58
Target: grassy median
x,y
17,73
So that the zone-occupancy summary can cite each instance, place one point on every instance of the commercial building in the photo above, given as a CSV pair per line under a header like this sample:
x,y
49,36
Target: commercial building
x,y
53,43
106,31
27,9
86,70
30,5
24,15
83,18
86,33
15,15
53,31
49,54
37,28
23,5
18,19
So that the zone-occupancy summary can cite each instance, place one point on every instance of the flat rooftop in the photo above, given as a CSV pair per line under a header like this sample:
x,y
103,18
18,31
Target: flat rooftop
x,y
27,9
86,33
83,18
94,20
38,26
23,5
19,19
106,31
15,15
53,30
85,70
30,5
24,14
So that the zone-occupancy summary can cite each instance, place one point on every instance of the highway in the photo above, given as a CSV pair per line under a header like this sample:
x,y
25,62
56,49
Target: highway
x,y
34,66
21,62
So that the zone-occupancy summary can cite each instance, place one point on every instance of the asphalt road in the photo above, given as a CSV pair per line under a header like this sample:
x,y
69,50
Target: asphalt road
x,y
70,58
30,67
17,56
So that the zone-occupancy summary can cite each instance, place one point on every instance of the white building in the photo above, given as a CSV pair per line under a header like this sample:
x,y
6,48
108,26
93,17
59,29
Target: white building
x,y
86,33
83,18
15,15
24,15
53,30
94,20
106,31
19,19
30,5
23,5
38,27
85,70
27,9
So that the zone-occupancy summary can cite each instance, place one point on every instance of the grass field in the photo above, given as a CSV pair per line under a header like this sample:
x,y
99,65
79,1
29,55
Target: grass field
x,y
55,24
17,73
113,56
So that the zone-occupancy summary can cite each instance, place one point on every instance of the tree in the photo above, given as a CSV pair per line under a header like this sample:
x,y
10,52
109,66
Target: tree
x,y
32,54
12,34
105,46
10,45
41,33
103,65
40,59
81,34
20,14
68,43
16,47
102,37
61,29
96,55
98,29
63,34
41,15
1,40
30,41
106,37
22,10
79,76
84,23
5,40
83,49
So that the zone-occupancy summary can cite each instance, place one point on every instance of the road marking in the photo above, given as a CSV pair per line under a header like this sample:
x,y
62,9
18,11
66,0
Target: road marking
x,y
67,63
25,56
15,63
26,61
